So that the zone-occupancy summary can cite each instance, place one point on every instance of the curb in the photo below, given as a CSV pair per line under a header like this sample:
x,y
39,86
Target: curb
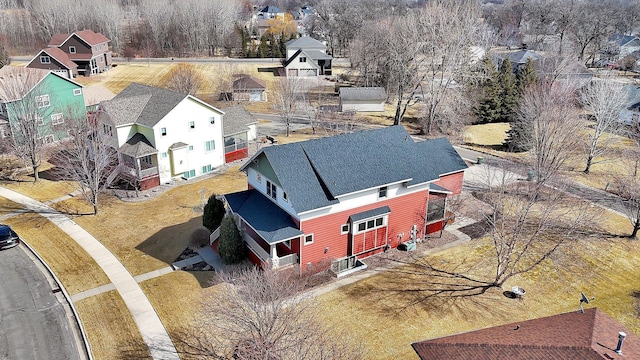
x,y
85,341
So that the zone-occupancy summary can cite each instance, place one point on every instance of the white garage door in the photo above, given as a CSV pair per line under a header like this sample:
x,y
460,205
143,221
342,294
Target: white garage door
x,y
255,96
308,72
64,73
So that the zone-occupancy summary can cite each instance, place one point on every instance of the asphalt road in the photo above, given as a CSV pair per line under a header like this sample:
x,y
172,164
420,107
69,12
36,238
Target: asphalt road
x,y
33,321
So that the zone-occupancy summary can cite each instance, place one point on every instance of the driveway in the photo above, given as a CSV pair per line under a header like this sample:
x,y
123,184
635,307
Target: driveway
x,y
33,320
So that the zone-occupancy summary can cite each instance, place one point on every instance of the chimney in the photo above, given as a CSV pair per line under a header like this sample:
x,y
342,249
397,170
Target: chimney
x,y
621,337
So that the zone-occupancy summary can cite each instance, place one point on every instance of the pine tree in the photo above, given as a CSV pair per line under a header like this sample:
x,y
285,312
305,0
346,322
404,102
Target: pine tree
x,y
526,76
231,246
518,136
263,48
488,108
509,94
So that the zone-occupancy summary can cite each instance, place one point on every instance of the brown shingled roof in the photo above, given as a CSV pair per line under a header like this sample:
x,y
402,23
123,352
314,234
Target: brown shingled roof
x,y
58,39
61,56
88,36
249,83
589,335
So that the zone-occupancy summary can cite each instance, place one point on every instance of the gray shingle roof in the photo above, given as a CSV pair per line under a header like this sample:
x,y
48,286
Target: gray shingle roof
x,y
363,93
237,119
270,222
370,213
305,42
142,104
138,146
314,173
317,55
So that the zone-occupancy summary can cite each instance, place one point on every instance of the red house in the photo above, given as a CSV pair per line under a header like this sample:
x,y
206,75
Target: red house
x,y
336,200
88,49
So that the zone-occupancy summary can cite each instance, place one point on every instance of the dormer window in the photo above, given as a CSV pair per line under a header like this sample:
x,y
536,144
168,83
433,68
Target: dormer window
x,y
72,49
45,59
272,190
303,59
382,192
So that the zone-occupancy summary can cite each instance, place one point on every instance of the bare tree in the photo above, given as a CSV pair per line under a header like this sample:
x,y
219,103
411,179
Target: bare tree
x,y
263,315
185,78
604,99
286,98
549,114
5,59
87,157
28,109
628,188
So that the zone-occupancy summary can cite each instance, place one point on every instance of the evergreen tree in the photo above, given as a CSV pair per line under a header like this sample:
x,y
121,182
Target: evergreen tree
x,y
213,213
283,45
518,136
526,76
509,94
263,48
231,246
488,108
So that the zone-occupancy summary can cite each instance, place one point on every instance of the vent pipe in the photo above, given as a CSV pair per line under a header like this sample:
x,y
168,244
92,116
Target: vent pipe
x,y
621,337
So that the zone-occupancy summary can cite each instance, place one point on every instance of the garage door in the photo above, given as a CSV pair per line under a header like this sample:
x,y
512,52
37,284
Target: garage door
x,y
255,96
308,72
64,73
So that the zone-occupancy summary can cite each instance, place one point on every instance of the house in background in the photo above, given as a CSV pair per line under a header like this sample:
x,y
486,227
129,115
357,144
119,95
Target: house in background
x,y
240,129
619,46
332,201
575,335
248,88
269,12
518,58
362,98
307,56
56,61
162,135
48,96
89,50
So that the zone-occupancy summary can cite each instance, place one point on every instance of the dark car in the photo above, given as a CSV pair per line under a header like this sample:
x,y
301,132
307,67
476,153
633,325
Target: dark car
x,y
8,237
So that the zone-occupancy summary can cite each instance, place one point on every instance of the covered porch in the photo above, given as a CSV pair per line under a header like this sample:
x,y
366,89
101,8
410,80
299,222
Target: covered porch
x,y
138,162
271,235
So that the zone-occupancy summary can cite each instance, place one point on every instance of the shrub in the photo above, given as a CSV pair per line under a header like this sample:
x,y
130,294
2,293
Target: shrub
x,y
199,238
213,213
230,245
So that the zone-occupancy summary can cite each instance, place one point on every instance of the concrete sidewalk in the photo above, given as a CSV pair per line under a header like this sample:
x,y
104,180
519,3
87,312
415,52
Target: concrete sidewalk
x,y
152,330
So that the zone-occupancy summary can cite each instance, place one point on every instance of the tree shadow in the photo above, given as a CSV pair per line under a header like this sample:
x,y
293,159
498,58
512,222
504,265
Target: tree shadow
x,y
169,242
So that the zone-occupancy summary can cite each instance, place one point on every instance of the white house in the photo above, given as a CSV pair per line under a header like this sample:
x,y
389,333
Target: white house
x,y
162,135
307,56
362,98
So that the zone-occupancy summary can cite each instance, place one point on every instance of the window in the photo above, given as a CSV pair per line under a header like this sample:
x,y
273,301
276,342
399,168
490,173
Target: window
x,y
39,120
206,169
344,229
107,129
42,101
147,160
72,49
308,239
190,147
287,244
164,155
192,124
56,119
303,59
436,208
209,145
212,120
284,196
189,174
259,178
367,224
45,60
272,190
77,92
163,131
382,192
48,139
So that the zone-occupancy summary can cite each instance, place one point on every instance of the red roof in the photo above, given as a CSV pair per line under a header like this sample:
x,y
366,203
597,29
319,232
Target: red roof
x,y
88,36
589,335
60,56
92,38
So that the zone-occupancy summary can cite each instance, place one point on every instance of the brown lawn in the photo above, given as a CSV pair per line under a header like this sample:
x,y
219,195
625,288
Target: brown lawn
x,y
110,328
72,265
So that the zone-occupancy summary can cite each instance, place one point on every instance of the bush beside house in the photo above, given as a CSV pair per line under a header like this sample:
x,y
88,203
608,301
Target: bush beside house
x,y
213,213
230,245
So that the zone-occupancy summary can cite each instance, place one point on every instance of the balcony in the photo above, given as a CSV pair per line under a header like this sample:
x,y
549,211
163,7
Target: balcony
x,y
146,170
272,259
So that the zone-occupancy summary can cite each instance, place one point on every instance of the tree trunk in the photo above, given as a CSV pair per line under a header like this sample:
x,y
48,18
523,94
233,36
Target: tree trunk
x,y
636,228
36,175
589,163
